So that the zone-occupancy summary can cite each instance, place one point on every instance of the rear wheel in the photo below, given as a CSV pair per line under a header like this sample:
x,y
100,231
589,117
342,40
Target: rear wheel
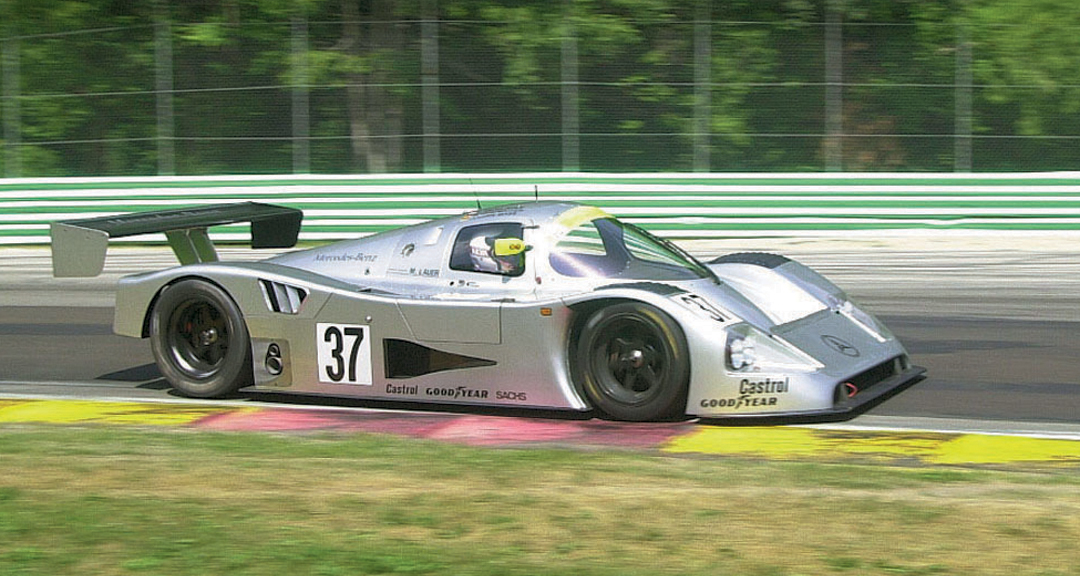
x,y
200,341
632,362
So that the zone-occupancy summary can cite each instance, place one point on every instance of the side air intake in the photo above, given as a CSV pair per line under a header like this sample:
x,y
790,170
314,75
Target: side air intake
x,y
406,359
283,298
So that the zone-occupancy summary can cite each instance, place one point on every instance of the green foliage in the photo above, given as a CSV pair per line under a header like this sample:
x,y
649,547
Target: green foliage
x,y
88,72
1034,64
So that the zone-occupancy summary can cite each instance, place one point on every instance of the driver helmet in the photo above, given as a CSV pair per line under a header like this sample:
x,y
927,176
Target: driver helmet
x,y
482,252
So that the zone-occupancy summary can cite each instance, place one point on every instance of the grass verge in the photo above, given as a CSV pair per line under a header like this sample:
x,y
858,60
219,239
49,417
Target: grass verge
x,y
103,500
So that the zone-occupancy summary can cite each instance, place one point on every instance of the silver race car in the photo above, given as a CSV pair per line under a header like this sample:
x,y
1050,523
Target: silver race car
x,y
548,305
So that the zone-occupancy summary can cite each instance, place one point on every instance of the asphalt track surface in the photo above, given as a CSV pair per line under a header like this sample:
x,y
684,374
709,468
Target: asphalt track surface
x,y
995,320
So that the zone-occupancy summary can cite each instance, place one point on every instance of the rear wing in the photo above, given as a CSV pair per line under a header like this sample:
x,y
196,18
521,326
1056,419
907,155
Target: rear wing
x,y
79,246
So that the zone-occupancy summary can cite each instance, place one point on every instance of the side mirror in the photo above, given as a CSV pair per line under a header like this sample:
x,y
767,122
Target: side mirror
x,y
509,247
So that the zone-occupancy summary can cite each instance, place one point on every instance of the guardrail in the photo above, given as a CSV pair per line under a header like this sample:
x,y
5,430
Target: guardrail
x,y
672,205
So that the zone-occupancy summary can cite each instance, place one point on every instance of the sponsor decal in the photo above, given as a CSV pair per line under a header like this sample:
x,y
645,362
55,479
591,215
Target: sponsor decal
x,y
745,401
840,345
512,396
461,392
402,390
497,212
345,257
766,386
697,303
752,394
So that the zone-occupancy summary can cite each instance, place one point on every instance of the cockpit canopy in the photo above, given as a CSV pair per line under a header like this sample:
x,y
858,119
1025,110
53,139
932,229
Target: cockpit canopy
x,y
604,247
510,248
587,243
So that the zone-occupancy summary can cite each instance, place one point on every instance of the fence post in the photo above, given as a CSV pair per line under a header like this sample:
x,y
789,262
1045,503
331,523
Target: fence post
x,y
702,84
571,124
163,72
962,144
834,87
12,116
301,111
429,79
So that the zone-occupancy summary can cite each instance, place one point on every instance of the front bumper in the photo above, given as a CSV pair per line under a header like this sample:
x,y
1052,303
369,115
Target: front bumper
x,y
878,393
842,410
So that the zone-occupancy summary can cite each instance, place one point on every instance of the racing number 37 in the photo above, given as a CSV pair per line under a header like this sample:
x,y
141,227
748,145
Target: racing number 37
x,y
344,354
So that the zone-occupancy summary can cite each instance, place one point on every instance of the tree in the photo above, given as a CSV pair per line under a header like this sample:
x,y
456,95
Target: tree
x,y
65,130
1026,60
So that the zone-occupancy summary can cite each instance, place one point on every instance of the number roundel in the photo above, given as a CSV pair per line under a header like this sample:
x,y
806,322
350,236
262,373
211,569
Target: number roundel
x,y
344,354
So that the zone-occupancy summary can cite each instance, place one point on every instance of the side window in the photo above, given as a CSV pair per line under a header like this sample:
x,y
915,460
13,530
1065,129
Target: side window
x,y
474,250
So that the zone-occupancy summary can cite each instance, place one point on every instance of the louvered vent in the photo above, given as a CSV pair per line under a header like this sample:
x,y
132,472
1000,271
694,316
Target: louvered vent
x,y
282,297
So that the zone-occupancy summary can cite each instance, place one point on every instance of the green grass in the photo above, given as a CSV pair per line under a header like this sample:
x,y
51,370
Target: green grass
x,y
101,500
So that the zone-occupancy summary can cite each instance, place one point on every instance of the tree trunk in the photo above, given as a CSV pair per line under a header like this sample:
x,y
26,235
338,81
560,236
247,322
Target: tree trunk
x,y
375,113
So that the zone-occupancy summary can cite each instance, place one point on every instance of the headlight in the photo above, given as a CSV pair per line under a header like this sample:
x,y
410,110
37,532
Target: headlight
x,y
864,320
751,350
740,353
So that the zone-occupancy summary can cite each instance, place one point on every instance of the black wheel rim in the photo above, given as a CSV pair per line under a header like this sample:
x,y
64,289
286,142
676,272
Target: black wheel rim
x,y
198,338
629,360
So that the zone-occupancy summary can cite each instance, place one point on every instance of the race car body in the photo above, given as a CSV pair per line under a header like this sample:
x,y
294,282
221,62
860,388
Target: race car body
x,y
548,305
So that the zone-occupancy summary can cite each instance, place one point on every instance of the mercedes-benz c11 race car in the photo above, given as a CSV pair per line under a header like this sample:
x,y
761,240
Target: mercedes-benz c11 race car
x,y
548,305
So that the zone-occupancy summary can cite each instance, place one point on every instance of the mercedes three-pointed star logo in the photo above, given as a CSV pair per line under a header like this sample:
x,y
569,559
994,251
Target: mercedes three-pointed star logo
x,y
840,345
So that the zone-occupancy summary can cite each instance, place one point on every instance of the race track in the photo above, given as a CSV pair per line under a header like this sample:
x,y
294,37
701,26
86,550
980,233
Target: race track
x,y
994,321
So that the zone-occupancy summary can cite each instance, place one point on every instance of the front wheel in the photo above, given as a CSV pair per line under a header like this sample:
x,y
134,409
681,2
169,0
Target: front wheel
x,y
200,341
631,361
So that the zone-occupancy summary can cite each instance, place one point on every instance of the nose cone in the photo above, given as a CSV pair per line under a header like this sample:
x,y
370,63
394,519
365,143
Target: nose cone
x,y
839,343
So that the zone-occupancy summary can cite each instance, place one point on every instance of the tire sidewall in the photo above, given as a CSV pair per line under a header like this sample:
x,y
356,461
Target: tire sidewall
x,y
670,401
234,370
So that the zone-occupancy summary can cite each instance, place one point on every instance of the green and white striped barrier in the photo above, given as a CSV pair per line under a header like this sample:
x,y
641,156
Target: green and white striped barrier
x,y
672,205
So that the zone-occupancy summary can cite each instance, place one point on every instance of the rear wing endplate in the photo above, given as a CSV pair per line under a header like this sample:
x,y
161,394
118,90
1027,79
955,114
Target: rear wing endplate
x,y
79,246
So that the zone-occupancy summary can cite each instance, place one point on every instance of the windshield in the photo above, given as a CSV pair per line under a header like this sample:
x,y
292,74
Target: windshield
x,y
607,248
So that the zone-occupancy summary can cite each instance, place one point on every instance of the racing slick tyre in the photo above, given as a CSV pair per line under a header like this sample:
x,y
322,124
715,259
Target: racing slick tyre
x,y
632,363
200,341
